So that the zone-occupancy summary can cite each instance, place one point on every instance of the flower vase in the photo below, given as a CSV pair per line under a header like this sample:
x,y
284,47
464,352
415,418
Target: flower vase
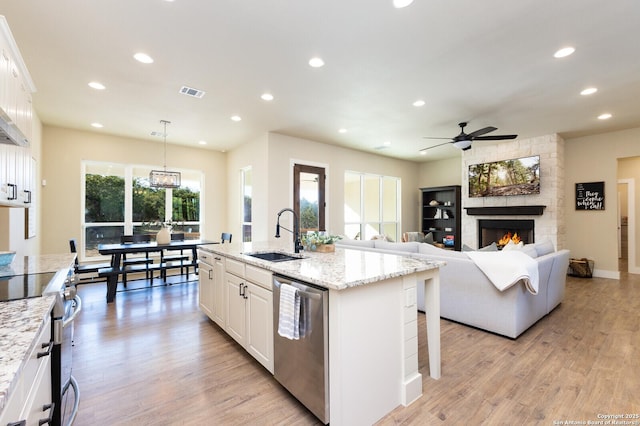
x,y
164,235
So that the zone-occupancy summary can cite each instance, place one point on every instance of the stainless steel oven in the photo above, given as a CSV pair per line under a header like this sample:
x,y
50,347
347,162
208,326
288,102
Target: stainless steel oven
x,y
62,285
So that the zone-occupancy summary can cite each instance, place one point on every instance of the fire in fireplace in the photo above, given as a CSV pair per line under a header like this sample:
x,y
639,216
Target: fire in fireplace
x,y
501,231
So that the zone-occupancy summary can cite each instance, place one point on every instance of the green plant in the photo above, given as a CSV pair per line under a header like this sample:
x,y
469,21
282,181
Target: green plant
x,y
317,238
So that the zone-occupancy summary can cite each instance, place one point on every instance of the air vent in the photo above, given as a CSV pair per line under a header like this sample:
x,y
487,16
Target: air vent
x,y
190,91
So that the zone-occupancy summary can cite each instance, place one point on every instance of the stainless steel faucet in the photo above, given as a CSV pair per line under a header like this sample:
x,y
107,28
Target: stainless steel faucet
x,y
297,244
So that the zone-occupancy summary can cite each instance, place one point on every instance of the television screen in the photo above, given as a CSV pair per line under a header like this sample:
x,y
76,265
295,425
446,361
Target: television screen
x,y
520,176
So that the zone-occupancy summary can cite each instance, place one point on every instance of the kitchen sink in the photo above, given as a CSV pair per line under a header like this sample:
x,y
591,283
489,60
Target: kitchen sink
x,y
274,256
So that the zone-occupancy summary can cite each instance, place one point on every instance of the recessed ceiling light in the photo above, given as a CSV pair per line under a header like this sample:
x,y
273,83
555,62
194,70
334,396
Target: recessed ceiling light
x,y
236,118
564,52
202,142
143,57
343,130
604,116
97,85
266,97
387,143
423,152
97,125
399,4
589,91
419,103
316,62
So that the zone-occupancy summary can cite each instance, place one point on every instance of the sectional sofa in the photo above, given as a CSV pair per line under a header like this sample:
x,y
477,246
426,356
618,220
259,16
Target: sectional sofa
x,y
467,296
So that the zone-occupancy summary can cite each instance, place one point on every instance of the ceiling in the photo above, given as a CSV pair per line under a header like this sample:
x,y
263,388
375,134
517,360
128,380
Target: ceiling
x,y
486,62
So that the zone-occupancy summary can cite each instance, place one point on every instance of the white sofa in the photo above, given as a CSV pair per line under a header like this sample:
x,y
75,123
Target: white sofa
x,y
467,296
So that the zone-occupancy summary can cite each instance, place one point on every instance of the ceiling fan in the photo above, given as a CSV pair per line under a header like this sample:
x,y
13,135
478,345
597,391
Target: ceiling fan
x,y
463,140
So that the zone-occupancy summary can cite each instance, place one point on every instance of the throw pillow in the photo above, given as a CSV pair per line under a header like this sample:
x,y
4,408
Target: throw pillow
x,y
491,247
529,249
544,247
429,238
513,246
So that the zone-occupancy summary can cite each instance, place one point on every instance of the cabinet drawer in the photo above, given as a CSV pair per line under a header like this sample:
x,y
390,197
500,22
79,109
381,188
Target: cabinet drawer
x,y
205,257
259,276
234,267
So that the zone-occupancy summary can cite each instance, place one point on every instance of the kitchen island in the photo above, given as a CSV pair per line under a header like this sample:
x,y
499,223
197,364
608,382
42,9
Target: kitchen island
x,y
373,341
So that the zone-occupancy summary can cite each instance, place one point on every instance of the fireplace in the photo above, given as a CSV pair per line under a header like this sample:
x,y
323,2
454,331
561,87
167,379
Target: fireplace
x,y
494,230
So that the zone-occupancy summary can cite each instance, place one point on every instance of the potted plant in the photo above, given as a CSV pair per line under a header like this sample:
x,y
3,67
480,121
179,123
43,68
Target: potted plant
x,y
319,241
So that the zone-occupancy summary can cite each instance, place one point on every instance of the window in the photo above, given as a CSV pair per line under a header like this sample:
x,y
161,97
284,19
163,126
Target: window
x,y
246,204
119,201
371,206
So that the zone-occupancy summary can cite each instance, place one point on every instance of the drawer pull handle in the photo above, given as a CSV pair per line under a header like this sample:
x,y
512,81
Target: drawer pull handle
x,y
49,346
48,420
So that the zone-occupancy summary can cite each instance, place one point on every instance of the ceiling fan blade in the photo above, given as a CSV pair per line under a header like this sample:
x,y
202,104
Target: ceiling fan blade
x,y
482,131
435,146
495,138
429,137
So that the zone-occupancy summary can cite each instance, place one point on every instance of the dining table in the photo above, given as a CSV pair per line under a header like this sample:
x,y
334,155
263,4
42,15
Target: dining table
x,y
117,250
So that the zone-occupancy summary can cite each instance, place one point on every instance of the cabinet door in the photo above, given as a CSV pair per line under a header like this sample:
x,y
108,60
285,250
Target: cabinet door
x,y
259,336
218,299
8,182
235,307
205,289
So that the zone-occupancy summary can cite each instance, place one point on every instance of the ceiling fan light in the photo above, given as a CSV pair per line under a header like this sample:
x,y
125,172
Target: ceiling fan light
x,y
464,144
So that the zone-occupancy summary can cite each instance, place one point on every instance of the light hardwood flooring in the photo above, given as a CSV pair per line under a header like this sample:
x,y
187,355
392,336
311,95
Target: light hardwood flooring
x,y
152,358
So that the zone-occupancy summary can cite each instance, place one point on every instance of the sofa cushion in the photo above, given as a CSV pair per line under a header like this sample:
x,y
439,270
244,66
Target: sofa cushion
x,y
356,243
410,247
544,247
429,250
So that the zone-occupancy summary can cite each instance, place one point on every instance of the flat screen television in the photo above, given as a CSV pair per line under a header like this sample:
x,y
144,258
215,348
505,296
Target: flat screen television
x,y
520,176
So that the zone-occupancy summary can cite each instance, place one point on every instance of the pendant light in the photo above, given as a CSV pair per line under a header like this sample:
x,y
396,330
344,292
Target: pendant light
x,y
163,178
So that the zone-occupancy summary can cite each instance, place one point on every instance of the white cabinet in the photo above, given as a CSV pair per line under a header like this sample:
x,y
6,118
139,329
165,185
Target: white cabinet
x,y
30,400
211,288
17,176
16,87
249,309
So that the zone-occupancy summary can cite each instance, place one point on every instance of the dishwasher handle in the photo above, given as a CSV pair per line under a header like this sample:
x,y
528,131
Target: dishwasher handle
x,y
302,293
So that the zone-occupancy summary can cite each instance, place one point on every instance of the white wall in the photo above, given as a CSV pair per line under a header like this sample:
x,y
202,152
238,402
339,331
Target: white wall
x,y
593,234
272,159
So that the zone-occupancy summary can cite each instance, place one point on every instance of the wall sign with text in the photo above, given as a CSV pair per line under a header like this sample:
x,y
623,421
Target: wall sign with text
x,y
590,196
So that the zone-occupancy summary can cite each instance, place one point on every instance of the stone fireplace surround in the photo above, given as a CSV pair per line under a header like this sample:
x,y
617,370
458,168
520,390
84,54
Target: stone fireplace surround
x,y
545,209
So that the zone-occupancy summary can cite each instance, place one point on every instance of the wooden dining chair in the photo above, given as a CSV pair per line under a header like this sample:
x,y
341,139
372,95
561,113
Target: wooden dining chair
x,y
145,260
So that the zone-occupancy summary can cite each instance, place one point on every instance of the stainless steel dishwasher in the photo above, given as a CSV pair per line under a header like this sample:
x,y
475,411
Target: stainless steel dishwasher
x,y
302,365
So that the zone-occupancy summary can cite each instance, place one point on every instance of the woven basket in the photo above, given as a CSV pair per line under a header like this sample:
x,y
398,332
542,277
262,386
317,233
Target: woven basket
x,y
582,268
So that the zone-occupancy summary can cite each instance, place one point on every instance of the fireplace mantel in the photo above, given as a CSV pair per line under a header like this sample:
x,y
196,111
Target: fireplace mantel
x,y
505,211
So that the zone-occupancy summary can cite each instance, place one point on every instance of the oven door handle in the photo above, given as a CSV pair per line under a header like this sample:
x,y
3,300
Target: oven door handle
x,y
76,311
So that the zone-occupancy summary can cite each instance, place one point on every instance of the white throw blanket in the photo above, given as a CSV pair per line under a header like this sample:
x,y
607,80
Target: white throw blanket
x,y
505,268
289,318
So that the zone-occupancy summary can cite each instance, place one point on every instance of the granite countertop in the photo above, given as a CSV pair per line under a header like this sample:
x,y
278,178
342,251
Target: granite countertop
x,y
37,264
337,270
21,321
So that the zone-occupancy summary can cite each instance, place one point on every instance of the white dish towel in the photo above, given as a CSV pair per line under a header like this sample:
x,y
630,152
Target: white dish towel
x,y
289,318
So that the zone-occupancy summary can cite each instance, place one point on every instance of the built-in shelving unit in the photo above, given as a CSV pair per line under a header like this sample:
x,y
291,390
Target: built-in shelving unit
x,y
441,214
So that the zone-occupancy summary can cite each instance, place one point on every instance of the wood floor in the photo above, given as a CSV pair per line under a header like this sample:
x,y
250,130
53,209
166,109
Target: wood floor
x,y
152,358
